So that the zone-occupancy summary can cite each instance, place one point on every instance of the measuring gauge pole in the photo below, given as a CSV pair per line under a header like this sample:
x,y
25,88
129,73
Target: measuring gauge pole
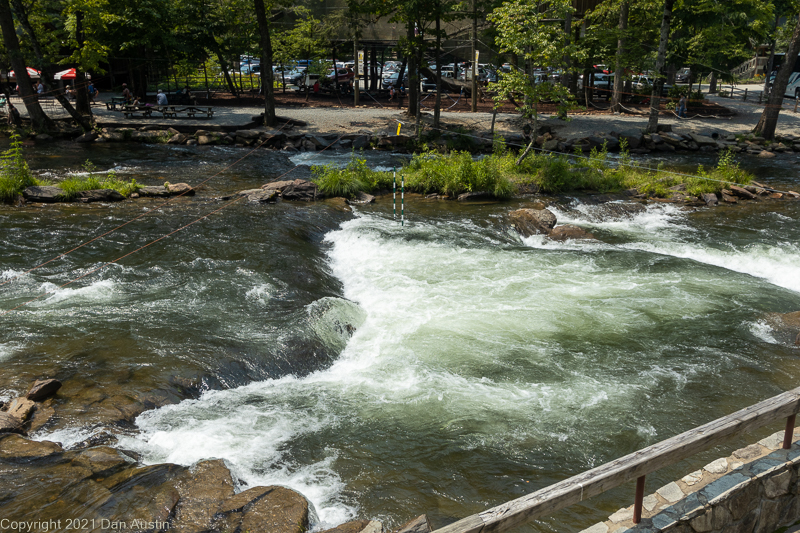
x,y
394,193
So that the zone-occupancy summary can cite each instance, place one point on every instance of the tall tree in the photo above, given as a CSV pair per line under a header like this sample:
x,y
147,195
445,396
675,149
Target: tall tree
x,y
270,119
616,99
531,30
769,117
40,121
660,72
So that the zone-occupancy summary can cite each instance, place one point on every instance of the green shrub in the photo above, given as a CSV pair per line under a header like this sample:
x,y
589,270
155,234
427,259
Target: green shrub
x,y
15,175
349,181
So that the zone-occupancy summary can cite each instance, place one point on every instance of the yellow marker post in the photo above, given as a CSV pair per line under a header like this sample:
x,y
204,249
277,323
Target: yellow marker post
x,y
399,124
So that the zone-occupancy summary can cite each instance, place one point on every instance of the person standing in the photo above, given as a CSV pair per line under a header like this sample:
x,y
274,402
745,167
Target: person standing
x,y
92,91
126,93
161,98
682,107
40,88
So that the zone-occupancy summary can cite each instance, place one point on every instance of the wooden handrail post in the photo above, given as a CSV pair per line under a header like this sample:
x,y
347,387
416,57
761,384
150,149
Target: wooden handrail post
x,y
789,433
639,499
745,95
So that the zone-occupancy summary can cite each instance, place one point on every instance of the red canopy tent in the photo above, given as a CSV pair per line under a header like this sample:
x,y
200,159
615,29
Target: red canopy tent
x,y
69,74
32,73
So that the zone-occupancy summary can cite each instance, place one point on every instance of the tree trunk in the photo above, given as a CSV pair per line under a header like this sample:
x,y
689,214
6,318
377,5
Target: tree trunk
x,y
474,91
224,66
712,83
616,98
769,118
82,104
771,62
270,119
22,17
565,77
413,73
437,106
661,60
40,121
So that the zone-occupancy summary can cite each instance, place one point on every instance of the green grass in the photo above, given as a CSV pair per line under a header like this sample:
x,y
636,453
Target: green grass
x,y
72,186
498,174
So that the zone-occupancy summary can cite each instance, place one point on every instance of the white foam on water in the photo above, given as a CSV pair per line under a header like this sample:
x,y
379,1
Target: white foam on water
x,y
780,264
763,331
654,219
7,350
98,291
66,437
663,229
9,274
260,293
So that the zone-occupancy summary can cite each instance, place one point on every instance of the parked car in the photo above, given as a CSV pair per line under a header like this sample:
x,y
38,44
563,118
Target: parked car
x,y
343,74
391,81
250,67
428,84
296,76
683,75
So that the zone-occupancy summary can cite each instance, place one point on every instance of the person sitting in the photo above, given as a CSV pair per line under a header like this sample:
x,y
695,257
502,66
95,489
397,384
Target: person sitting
x,y
126,93
315,88
161,98
187,95
70,93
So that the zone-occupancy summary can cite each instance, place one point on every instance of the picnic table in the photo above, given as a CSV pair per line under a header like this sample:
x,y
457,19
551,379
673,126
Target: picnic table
x,y
168,111
192,111
115,103
132,110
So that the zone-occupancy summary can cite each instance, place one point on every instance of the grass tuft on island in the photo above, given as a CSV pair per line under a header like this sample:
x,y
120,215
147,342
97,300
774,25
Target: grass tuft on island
x,y
498,174
15,177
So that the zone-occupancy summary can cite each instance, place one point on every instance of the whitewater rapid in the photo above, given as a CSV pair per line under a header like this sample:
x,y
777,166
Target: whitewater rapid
x,y
468,344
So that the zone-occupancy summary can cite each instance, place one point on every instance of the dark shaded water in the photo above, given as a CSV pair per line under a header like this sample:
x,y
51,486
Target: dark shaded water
x,y
386,371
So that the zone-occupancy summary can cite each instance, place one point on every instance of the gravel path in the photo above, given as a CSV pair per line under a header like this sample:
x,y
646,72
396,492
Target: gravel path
x,y
345,119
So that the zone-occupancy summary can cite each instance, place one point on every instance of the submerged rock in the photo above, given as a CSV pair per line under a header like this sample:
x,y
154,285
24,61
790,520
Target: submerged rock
x,y
569,232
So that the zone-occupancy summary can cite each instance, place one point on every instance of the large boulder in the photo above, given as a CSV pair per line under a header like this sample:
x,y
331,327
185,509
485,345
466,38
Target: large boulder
x,y
43,193
532,221
301,190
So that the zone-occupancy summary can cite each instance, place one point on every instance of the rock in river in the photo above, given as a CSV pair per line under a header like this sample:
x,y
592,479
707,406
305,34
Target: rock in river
x,y
533,221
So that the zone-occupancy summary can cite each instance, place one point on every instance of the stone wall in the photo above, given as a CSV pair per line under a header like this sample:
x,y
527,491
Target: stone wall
x,y
756,489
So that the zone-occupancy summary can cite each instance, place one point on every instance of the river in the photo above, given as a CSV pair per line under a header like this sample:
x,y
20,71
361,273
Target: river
x,y
384,371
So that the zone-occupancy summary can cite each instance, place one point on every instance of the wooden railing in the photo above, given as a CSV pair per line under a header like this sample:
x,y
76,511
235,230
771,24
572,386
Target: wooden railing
x,y
634,466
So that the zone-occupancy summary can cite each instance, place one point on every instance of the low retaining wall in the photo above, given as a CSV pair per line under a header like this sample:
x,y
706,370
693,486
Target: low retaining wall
x,y
756,489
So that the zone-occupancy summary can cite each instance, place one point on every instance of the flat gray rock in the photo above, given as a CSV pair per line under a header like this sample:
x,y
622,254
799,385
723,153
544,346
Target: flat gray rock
x,y
43,193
